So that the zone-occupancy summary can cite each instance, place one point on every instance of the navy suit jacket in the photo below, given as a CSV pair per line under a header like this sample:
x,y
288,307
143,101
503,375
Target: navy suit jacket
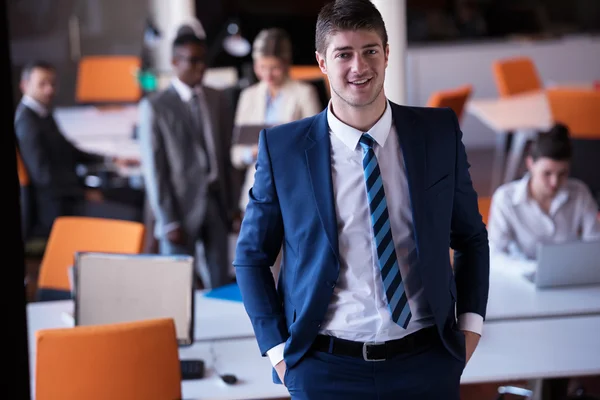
x,y
291,204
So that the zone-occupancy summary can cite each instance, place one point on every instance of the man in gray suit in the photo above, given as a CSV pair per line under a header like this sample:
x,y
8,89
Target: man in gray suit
x,y
185,134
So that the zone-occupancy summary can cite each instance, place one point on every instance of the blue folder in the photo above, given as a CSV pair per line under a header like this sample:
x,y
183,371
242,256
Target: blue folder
x,y
228,292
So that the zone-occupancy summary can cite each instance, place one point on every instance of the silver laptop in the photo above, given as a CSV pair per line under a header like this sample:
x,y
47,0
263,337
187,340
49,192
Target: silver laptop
x,y
566,264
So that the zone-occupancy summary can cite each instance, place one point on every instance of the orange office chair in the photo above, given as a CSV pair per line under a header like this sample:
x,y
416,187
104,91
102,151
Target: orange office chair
x,y
108,79
453,98
579,109
22,171
28,211
133,361
515,76
74,234
484,208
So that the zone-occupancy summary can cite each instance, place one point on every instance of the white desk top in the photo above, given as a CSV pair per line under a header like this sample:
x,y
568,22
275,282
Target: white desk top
x,y
508,351
91,121
514,297
102,131
523,112
214,319
541,348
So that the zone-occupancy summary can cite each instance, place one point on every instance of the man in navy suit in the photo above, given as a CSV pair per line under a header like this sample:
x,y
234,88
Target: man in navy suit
x,y
365,197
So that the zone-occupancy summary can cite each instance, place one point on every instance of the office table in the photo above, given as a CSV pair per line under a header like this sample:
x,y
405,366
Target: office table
x,y
103,131
509,350
513,297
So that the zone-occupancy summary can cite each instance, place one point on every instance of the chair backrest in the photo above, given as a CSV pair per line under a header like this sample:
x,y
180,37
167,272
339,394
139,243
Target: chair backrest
x,y
484,210
453,98
133,361
22,171
516,75
74,234
484,204
108,79
578,109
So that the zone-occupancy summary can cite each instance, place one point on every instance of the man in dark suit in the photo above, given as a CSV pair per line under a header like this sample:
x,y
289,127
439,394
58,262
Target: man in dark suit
x,y
365,197
51,160
185,135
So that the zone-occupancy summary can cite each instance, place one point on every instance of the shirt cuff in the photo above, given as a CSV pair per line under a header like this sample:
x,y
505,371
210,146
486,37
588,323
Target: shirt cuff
x,y
276,354
170,227
248,157
471,322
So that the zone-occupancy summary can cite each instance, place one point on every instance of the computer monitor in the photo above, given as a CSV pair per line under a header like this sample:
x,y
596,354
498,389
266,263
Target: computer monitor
x,y
113,288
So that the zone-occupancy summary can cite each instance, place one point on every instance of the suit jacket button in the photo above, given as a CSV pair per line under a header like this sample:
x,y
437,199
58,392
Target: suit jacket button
x,y
332,284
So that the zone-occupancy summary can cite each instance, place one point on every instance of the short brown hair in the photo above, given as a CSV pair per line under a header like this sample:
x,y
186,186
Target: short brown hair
x,y
273,42
554,144
348,15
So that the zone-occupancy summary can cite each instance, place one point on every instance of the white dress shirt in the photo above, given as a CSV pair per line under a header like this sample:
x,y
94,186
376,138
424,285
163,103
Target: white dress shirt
x,y
359,308
517,224
35,106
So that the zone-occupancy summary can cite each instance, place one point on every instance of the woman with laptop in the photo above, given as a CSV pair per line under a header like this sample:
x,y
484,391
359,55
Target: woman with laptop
x,y
543,207
274,100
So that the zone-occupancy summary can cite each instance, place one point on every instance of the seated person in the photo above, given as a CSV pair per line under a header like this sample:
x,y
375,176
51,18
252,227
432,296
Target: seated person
x,y
275,99
51,160
545,206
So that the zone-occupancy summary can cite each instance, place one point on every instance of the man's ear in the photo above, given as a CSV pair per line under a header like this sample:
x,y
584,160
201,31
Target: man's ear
x,y
387,54
529,162
321,62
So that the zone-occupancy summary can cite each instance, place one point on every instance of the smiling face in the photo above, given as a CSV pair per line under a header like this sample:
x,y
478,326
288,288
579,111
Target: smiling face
x,y
355,63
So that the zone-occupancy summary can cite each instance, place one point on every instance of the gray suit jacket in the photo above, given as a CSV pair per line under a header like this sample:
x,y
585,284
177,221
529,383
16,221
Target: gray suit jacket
x,y
176,183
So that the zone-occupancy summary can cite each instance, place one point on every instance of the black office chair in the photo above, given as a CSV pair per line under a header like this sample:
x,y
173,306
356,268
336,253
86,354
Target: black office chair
x,y
585,156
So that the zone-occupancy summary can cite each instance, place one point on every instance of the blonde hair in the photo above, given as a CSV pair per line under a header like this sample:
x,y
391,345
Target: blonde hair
x,y
273,42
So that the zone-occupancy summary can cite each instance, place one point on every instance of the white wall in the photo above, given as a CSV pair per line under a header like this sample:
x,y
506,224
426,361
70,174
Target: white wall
x,y
428,69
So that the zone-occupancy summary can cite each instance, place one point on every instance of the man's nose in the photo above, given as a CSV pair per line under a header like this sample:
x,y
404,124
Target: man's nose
x,y
359,65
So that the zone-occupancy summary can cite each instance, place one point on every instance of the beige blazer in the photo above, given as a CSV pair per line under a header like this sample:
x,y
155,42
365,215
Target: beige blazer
x,y
300,100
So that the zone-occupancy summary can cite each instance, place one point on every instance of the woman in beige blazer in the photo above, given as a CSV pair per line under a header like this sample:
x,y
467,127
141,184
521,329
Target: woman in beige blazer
x,y
274,100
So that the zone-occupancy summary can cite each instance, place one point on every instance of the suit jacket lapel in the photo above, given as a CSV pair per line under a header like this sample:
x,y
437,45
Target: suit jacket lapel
x,y
318,158
412,144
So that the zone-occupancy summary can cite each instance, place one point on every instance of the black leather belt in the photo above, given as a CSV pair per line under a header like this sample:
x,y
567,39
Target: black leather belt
x,y
376,351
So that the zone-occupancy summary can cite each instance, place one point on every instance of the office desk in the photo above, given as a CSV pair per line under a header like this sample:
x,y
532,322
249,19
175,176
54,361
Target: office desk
x,y
511,350
513,297
214,319
103,131
535,349
508,351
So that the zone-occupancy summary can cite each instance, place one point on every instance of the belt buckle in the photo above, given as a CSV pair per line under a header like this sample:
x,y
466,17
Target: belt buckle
x,y
365,352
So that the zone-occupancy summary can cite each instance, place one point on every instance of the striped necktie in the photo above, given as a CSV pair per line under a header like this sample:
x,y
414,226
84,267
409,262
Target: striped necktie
x,y
380,220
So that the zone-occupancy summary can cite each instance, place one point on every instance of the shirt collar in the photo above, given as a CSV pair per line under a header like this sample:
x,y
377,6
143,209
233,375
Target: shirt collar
x,y
184,91
521,194
350,136
35,106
